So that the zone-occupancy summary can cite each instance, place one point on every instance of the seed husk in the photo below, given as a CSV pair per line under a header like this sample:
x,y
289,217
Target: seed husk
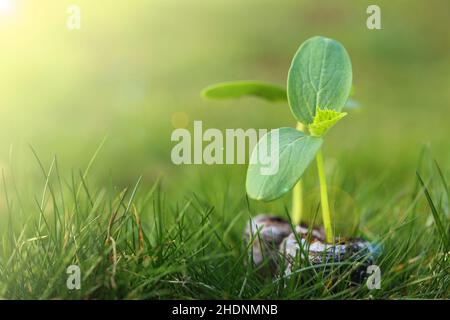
x,y
271,240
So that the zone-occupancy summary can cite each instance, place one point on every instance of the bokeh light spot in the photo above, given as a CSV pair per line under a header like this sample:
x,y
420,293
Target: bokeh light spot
x,y
180,120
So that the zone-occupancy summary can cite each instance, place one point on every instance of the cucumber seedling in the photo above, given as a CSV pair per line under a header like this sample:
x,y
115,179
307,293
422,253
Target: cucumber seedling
x,y
318,87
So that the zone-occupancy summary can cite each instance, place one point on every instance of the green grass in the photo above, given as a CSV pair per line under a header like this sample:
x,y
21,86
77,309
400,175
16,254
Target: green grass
x,y
136,243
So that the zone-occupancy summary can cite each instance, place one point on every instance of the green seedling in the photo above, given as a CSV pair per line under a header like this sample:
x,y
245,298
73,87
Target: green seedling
x,y
319,84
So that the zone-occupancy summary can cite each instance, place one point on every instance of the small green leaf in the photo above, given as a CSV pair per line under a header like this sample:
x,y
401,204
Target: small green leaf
x,y
320,75
237,89
324,120
296,150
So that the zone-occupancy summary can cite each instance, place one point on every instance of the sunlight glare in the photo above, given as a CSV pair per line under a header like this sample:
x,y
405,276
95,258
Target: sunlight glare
x,y
6,6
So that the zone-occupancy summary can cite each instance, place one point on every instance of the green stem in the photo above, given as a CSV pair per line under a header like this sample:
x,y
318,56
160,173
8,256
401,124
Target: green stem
x,y
297,194
324,198
297,203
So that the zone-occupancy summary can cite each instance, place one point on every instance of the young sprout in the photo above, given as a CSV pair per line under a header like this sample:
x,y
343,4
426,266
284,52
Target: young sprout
x,y
319,84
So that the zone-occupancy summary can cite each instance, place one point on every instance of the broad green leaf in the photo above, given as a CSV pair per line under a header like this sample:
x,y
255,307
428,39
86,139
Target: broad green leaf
x,y
320,76
237,89
296,150
324,120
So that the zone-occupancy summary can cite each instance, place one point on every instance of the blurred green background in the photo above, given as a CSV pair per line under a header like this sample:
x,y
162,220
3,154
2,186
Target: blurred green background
x,y
135,64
